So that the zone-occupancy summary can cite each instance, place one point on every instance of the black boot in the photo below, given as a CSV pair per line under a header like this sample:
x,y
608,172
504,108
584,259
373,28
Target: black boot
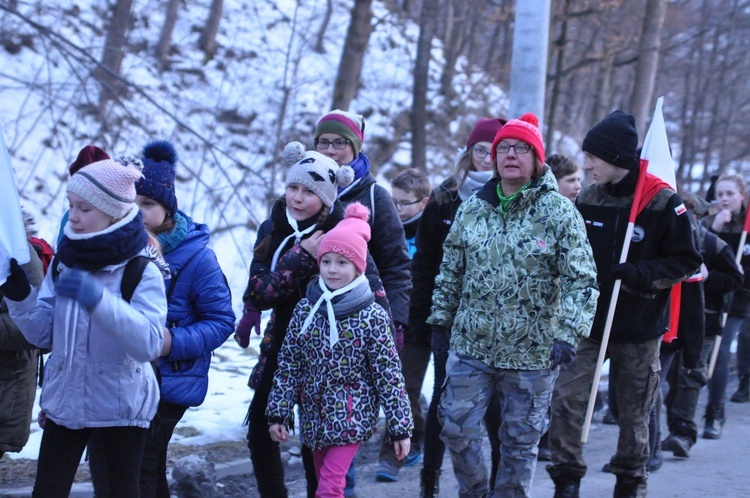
x,y
630,487
743,391
566,485
656,460
429,486
714,422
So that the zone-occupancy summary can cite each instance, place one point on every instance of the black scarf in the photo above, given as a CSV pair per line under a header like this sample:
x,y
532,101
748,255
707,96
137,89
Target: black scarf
x,y
120,242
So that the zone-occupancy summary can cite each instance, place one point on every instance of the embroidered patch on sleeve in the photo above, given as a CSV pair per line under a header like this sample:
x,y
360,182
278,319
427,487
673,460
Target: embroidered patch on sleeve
x,y
680,209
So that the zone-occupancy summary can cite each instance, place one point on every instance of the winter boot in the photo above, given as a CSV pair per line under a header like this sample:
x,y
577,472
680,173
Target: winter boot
x,y
743,391
656,460
714,422
630,487
429,486
566,485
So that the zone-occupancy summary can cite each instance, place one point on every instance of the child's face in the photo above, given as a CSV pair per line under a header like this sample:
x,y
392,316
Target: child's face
x,y
341,156
336,270
728,196
153,213
85,218
407,204
570,185
302,202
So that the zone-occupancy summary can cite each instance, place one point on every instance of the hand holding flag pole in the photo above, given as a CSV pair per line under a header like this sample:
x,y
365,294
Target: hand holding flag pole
x,y
655,160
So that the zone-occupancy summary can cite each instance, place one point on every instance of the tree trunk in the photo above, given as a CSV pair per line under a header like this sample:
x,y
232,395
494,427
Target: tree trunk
x,y
421,69
557,77
648,63
108,74
352,57
319,47
165,38
207,41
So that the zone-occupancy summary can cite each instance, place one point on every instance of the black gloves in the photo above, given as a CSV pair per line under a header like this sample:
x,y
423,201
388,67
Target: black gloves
x,y
628,273
561,353
16,287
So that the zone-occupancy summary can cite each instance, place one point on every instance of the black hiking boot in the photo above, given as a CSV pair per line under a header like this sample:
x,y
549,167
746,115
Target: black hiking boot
x,y
566,485
429,486
630,487
743,391
714,422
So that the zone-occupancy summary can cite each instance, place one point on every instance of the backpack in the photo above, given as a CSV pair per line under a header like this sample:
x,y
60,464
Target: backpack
x,y
43,250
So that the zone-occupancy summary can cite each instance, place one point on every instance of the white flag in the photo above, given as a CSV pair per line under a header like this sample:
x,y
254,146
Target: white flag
x,y
13,242
656,148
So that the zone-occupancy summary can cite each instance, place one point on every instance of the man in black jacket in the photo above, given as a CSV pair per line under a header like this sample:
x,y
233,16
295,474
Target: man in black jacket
x,y
662,253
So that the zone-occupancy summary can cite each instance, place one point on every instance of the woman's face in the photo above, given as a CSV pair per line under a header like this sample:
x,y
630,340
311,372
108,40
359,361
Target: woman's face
x,y
570,185
302,202
85,218
513,167
728,196
481,156
153,213
342,156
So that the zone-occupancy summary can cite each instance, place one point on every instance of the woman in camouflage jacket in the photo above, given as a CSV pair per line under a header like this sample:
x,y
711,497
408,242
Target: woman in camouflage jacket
x,y
517,289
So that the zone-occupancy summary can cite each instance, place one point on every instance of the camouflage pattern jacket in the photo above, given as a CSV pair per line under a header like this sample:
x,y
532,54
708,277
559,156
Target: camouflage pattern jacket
x,y
340,388
510,284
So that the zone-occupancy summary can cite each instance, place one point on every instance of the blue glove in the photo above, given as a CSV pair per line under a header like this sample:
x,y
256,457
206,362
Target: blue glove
x,y
81,286
16,286
561,353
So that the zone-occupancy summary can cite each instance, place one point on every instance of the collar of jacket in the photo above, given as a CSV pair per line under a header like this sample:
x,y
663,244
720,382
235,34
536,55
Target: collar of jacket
x,y
625,187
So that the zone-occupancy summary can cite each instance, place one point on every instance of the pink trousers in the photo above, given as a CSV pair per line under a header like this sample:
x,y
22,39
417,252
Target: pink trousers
x,y
331,465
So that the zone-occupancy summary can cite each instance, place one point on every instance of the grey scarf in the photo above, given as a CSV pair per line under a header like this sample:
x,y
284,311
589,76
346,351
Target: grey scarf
x,y
339,303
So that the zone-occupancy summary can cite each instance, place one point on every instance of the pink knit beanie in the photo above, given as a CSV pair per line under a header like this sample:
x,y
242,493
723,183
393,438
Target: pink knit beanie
x,y
349,238
526,129
107,185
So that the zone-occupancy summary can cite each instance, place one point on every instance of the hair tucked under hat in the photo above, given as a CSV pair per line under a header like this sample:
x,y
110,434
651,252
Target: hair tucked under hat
x,y
526,129
317,172
89,154
349,237
107,185
349,125
159,160
614,140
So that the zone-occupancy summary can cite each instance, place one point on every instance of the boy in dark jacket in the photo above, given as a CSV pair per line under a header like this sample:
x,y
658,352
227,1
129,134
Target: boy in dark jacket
x,y
662,253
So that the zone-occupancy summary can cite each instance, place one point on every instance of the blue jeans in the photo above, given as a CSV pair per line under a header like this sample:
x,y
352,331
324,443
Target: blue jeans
x,y
717,384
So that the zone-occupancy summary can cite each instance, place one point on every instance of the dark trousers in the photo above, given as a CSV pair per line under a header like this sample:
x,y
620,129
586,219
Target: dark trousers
x,y
415,358
61,451
153,479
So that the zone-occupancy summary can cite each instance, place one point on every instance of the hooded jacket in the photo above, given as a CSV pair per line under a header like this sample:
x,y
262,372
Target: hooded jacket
x,y
199,315
98,372
512,283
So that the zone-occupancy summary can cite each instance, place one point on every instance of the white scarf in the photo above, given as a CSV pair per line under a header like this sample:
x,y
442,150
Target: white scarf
x,y
328,296
296,234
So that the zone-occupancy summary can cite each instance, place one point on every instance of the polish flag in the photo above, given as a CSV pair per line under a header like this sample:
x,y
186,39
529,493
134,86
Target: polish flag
x,y
13,242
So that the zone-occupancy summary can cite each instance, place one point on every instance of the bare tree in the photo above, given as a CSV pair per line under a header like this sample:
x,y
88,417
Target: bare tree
x,y
207,41
352,57
165,38
421,81
648,62
113,53
319,47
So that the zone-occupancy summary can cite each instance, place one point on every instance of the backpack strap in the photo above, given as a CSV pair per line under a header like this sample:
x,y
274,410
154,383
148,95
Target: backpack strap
x,y
132,276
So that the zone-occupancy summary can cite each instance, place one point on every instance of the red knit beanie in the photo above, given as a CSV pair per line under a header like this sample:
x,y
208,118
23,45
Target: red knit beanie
x,y
485,130
89,154
349,238
526,129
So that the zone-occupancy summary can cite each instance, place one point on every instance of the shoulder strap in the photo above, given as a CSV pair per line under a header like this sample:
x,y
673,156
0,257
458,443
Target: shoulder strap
x,y
372,204
55,264
132,276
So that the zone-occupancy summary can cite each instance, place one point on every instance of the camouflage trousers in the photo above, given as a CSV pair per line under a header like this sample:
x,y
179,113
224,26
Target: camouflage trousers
x,y
524,411
639,368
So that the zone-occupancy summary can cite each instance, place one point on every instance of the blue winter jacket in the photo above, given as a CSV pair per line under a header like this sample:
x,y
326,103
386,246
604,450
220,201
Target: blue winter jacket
x,y
199,315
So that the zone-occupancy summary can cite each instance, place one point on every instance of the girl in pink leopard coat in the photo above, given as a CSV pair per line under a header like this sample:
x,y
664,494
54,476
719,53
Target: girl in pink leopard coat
x,y
339,362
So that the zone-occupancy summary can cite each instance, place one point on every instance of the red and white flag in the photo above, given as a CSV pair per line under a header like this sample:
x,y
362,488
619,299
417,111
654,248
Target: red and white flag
x,y
12,232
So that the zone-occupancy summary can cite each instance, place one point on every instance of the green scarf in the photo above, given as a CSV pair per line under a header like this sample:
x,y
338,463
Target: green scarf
x,y
507,200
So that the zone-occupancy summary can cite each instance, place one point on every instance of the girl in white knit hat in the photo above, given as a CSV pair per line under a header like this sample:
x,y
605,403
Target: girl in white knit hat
x,y
98,374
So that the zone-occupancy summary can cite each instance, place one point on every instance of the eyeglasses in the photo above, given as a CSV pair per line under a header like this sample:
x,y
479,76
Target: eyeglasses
x,y
404,204
338,144
519,148
480,152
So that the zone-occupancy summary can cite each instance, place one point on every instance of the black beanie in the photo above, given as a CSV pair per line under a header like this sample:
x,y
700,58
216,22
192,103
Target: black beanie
x,y
614,140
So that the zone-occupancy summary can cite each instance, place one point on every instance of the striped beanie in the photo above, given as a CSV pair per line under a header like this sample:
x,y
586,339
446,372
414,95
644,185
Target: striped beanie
x,y
348,125
108,186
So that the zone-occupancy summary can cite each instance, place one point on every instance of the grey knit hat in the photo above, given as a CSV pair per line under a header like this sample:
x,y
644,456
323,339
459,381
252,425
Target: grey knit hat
x,y
317,172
